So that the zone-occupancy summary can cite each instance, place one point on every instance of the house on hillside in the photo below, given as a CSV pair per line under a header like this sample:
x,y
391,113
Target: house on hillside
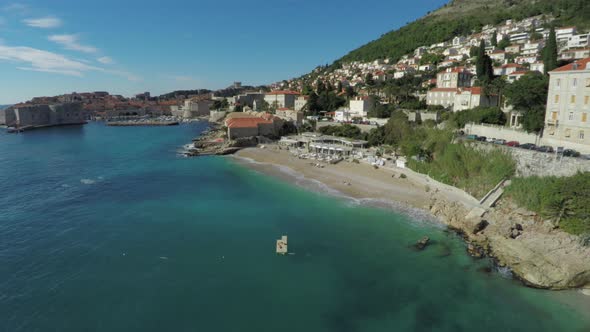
x,y
281,98
468,98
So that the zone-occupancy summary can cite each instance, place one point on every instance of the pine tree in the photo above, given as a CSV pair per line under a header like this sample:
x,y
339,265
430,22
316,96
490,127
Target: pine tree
x,y
495,39
550,52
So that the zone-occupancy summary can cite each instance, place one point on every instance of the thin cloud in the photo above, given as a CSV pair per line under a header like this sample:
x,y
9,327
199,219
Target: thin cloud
x,y
106,60
40,60
43,22
15,7
70,42
32,59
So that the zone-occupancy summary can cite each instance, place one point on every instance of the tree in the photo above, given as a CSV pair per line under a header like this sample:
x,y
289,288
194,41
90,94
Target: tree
x,y
529,95
312,103
349,92
505,42
479,62
495,39
369,80
550,52
220,104
339,87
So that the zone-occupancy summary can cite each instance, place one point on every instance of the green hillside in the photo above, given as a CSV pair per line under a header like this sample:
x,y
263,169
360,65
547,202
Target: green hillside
x,y
463,17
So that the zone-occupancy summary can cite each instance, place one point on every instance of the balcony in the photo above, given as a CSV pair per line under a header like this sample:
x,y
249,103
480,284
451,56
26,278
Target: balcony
x,y
552,122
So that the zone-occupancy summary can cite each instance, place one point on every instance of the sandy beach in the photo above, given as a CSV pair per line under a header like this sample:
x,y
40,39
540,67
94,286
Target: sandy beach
x,y
354,180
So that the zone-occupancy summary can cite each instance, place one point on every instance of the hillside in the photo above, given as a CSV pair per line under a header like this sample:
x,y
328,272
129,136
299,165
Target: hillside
x,y
463,17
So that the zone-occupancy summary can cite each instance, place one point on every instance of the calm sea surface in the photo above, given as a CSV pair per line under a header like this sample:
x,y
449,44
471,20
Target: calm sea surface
x,y
108,229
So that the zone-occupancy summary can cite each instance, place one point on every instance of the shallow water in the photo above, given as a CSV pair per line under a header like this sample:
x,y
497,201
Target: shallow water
x,y
108,229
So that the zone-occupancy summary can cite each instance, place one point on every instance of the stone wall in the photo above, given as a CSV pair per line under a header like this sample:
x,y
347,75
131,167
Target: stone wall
x,y
45,115
499,132
530,163
521,136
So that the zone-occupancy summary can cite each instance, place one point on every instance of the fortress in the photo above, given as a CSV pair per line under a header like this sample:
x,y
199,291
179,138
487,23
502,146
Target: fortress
x,y
26,116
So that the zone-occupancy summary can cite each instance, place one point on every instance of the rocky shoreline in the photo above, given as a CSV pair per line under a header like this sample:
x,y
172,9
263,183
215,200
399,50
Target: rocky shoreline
x,y
537,254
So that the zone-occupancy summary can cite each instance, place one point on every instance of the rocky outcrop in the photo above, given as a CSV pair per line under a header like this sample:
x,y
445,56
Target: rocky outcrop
x,y
537,253
214,142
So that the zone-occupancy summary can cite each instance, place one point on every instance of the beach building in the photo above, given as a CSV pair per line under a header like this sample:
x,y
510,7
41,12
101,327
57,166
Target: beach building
x,y
567,122
251,124
323,144
34,116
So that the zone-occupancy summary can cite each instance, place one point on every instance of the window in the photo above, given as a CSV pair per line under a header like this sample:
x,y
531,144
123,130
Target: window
x,y
575,82
588,82
558,82
581,134
584,117
568,132
573,99
571,116
586,100
556,100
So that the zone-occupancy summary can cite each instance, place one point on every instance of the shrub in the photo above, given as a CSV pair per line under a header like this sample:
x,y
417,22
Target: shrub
x,y
564,199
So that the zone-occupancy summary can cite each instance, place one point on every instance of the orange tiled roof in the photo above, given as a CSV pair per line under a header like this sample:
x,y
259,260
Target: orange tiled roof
x,y
581,65
474,90
443,90
246,122
283,92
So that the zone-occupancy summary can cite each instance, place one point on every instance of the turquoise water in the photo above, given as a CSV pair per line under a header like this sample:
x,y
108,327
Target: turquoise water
x,y
107,229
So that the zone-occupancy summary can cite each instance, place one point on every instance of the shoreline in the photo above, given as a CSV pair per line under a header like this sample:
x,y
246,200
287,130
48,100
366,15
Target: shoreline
x,y
539,256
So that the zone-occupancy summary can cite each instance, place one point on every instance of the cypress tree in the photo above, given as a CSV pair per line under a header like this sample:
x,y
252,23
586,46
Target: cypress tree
x,y
550,52
479,63
488,72
495,39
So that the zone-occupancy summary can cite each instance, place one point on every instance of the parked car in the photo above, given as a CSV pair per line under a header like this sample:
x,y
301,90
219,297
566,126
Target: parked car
x,y
545,148
571,153
500,141
481,138
528,146
490,140
514,144
474,137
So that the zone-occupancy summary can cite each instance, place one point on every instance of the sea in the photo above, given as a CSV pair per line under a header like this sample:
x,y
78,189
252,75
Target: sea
x,y
110,229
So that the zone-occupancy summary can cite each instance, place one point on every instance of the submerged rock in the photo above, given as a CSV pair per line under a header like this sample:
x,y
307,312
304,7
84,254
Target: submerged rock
x,y
422,243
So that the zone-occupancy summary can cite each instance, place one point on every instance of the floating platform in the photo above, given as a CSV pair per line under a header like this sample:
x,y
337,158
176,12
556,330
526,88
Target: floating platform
x,y
146,123
282,245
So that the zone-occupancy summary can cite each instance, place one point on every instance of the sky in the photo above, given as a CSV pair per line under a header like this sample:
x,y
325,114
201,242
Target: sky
x,y
52,47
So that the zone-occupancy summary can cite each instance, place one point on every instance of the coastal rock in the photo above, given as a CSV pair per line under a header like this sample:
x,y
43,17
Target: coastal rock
x,y
475,251
480,226
422,243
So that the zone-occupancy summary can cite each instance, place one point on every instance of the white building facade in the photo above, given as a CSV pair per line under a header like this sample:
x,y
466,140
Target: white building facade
x,y
567,121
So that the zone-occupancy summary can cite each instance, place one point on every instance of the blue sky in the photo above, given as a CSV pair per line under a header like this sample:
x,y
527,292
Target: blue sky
x,y
125,47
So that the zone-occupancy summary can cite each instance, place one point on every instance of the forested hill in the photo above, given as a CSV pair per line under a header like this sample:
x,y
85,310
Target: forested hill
x,y
463,17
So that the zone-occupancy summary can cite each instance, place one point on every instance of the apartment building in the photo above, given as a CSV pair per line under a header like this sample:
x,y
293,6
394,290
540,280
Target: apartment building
x,y
567,120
